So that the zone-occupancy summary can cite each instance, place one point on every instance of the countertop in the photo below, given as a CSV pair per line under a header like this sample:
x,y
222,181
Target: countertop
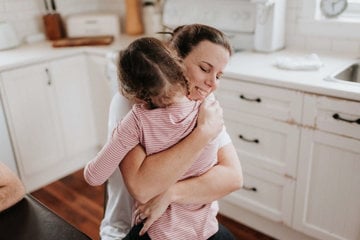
x,y
29,219
260,68
248,66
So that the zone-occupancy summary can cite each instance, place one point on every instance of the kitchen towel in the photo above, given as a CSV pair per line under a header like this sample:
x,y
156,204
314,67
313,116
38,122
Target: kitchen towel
x,y
308,62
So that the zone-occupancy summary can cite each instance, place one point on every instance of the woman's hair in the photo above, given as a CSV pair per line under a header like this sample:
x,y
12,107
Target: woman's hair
x,y
185,38
150,72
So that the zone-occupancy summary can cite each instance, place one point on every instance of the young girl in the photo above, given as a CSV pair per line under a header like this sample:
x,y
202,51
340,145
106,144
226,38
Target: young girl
x,y
153,76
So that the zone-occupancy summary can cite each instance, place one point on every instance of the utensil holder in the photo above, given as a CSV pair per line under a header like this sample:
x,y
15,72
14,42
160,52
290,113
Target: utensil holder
x,y
54,28
133,21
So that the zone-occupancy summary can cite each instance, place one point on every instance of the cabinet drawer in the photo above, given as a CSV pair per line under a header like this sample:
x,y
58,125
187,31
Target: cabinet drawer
x,y
265,193
276,103
263,142
332,115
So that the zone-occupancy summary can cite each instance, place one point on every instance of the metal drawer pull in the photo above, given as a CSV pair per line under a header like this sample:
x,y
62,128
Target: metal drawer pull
x,y
254,189
249,140
48,76
337,117
250,99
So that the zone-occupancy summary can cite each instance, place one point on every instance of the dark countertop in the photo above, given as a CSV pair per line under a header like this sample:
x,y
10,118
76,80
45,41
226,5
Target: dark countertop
x,y
29,219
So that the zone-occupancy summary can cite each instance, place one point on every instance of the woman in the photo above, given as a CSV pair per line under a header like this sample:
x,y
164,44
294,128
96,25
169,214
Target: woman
x,y
205,52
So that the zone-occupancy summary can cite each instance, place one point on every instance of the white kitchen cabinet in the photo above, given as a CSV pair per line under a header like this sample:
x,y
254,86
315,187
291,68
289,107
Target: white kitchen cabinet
x,y
101,93
261,123
328,192
51,122
301,161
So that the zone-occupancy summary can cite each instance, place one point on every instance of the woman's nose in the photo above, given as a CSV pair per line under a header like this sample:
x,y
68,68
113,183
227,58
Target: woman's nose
x,y
211,81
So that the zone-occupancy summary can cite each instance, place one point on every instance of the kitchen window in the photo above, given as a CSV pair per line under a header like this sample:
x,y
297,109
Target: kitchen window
x,y
346,25
352,11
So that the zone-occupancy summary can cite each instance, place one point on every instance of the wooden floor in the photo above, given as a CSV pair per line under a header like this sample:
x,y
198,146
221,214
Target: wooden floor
x,y
82,206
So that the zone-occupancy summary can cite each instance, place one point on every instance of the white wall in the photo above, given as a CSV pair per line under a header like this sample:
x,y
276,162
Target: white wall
x,y
294,39
26,17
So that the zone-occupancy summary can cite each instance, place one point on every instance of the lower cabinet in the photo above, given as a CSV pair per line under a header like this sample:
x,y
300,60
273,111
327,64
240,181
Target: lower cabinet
x,y
265,193
327,202
301,161
50,117
101,93
328,192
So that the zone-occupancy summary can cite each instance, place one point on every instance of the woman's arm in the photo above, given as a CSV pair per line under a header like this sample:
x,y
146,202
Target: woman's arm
x,y
147,176
11,188
219,181
147,179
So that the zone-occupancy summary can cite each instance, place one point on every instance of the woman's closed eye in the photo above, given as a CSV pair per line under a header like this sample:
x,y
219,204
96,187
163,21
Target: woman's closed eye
x,y
205,69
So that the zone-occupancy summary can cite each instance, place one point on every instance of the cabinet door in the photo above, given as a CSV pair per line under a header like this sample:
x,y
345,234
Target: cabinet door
x,y
101,93
328,193
33,122
71,81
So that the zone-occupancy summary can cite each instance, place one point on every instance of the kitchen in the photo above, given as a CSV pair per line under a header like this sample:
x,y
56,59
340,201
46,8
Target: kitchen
x,y
298,111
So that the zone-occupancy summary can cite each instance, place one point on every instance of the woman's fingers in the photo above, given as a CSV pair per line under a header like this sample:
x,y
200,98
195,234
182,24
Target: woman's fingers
x,y
147,223
211,117
139,216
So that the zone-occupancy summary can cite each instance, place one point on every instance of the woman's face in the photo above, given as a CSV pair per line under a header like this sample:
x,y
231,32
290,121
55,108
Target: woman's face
x,y
204,67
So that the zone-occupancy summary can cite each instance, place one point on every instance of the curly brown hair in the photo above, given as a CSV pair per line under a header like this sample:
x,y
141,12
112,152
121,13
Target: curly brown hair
x,y
150,72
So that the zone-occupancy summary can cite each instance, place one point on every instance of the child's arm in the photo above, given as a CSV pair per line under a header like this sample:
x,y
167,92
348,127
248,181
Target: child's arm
x,y
123,139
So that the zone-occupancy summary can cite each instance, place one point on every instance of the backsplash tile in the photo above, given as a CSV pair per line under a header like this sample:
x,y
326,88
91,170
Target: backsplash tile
x,y
25,15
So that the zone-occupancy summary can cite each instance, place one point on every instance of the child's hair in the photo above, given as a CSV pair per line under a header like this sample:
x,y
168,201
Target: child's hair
x,y
185,38
150,72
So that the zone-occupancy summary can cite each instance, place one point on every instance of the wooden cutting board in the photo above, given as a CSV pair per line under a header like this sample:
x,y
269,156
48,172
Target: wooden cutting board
x,y
83,41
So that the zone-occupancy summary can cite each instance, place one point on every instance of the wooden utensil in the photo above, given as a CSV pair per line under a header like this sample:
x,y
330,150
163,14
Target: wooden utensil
x,y
83,41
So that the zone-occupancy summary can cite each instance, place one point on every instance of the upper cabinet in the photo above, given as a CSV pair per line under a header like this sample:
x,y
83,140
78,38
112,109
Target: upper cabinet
x,y
51,121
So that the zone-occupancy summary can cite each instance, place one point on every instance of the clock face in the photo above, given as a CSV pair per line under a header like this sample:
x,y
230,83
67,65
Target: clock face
x,y
333,8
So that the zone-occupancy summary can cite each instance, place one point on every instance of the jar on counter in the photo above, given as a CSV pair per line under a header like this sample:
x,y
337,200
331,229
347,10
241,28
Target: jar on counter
x,y
152,19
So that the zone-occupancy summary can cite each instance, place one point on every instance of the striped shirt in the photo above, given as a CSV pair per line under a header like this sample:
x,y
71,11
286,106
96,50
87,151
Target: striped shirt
x,y
157,130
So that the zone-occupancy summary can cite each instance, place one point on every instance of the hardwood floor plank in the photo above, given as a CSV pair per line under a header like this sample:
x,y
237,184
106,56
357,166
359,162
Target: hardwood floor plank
x,y
82,206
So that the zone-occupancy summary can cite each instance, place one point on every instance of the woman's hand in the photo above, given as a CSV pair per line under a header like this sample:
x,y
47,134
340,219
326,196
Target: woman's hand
x,y
210,118
152,210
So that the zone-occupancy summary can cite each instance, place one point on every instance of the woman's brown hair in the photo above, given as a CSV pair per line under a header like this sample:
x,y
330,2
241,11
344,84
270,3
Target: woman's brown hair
x,y
150,72
185,38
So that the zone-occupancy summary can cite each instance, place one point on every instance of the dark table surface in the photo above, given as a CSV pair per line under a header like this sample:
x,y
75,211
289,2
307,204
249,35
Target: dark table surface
x,y
31,220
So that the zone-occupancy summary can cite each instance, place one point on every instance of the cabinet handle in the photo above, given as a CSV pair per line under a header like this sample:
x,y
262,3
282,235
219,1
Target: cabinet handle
x,y
253,189
337,117
250,99
48,76
249,140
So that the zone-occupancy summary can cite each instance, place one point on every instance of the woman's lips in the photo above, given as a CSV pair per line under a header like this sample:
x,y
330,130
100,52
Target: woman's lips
x,y
202,92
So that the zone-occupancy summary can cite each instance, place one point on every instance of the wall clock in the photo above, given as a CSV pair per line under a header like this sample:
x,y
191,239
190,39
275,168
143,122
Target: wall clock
x,y
333,8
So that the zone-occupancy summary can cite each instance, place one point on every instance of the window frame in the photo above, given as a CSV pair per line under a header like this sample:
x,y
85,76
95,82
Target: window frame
x,y
312,22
